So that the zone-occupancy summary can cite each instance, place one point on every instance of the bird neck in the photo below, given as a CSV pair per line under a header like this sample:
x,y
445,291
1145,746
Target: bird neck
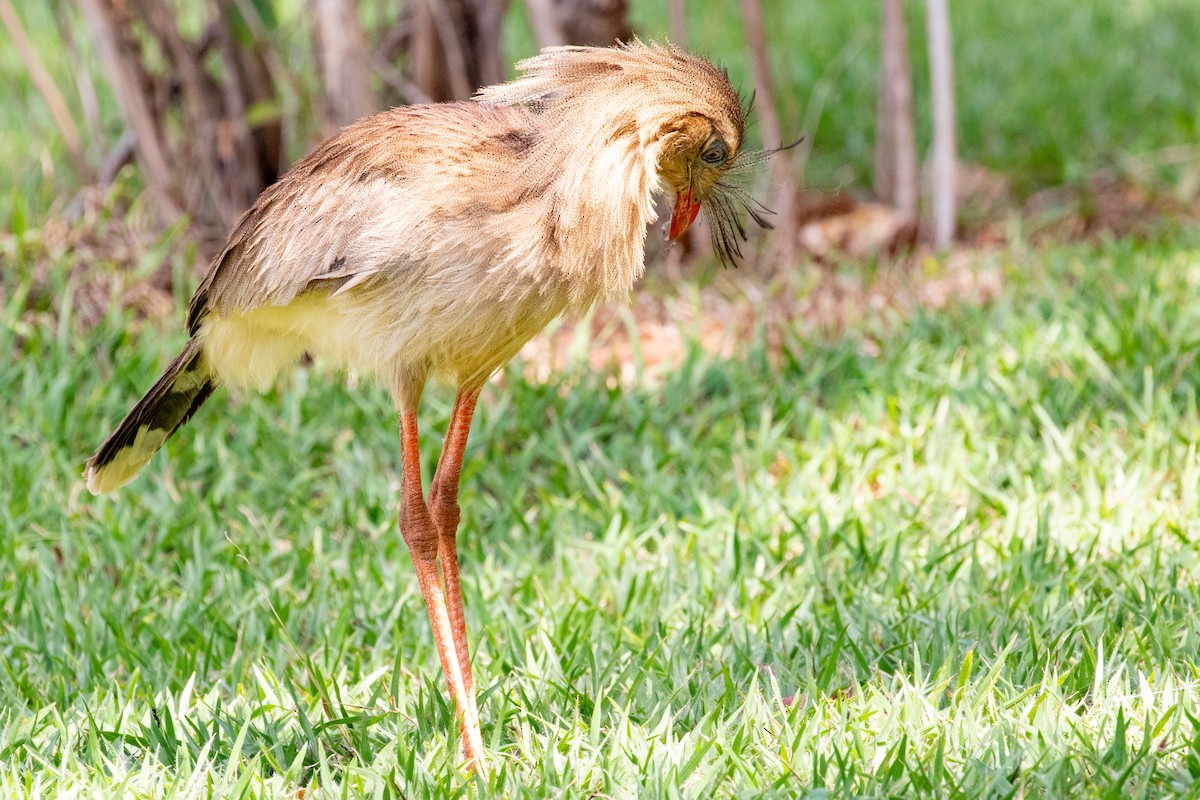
x,y
602,191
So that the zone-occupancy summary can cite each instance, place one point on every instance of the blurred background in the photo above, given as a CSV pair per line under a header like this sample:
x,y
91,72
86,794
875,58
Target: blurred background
x,y
921,124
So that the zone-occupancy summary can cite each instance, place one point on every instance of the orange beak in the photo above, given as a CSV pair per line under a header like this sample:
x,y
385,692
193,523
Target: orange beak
x,y
686,209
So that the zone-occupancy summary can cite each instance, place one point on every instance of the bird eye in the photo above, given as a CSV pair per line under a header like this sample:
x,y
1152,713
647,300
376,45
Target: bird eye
x,y
715,153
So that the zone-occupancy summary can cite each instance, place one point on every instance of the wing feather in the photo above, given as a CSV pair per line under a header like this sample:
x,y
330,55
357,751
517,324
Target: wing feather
x,y
368,200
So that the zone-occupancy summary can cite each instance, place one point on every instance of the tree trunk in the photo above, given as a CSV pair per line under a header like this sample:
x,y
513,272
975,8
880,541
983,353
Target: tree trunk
x,y
782,177
455,47
677,22
895,145
343,62
944,156
580,22
595,22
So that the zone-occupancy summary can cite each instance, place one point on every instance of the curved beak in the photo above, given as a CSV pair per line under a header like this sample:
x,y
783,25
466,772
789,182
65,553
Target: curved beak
x,y
687,206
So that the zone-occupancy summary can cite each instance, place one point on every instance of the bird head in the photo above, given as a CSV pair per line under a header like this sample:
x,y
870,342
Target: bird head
x,y
697,152
677,108
702,156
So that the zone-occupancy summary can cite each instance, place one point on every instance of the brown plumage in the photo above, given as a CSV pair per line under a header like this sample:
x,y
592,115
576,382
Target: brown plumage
x,y
434,241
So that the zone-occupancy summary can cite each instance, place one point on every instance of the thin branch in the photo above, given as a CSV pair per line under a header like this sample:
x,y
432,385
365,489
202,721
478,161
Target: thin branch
x,y
133,96
121,154
393,77
45,85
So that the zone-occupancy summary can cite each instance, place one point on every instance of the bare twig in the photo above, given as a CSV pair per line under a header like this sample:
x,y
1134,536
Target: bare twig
x,y
409,91
397,39
121,154
133,93
45,85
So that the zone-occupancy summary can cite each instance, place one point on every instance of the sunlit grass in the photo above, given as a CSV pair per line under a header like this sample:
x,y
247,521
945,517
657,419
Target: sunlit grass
x,y
958,562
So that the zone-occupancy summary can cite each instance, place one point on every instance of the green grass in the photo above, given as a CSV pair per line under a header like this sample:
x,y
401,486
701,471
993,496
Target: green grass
x,y
1048,91
951,555
967,553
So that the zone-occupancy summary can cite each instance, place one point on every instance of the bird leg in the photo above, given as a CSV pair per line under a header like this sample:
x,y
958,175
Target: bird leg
x,y
443,507
421,536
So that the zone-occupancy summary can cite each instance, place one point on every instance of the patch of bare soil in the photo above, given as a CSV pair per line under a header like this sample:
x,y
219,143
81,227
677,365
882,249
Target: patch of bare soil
x,y
650,335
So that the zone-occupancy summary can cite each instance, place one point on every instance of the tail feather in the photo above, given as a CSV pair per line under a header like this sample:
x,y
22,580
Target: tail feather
x,y
174,398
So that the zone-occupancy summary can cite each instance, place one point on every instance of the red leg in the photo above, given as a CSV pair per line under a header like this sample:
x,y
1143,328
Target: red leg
x,y
443,507
421,536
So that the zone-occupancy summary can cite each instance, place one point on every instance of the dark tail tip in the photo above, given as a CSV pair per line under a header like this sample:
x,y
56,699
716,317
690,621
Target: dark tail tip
x,y
172,401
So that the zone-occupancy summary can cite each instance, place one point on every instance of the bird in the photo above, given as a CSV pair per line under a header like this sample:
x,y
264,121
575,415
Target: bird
x,y
431,242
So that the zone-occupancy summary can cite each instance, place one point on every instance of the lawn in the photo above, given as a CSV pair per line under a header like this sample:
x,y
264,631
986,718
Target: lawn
x,y
953,554
945,553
